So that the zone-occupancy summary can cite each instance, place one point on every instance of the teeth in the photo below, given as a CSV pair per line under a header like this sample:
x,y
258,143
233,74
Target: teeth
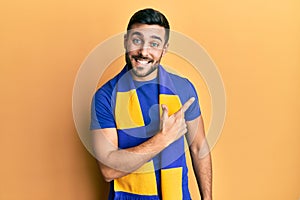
x,y
143,62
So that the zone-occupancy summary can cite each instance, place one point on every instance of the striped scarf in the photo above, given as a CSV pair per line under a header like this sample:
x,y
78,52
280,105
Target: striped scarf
x,y
169,176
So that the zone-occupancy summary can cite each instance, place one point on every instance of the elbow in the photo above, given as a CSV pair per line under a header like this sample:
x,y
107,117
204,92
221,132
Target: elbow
x,y
107,179
195,152
107,174
200,152
110,174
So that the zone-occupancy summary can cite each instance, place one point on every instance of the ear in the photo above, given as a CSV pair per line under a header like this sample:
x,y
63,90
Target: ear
x,y
125,40
165,49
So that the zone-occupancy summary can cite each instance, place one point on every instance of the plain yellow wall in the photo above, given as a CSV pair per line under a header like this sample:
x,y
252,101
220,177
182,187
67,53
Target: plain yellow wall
x,y
255,44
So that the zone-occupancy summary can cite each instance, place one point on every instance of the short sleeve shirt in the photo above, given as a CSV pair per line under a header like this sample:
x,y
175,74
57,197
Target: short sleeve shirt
x,y
103,111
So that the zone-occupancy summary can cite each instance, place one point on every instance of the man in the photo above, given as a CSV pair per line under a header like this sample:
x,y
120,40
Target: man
x,y
148,133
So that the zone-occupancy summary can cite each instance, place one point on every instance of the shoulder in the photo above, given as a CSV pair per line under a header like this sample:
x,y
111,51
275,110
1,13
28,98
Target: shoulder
x,y
106,90
185,90
182,84
176,77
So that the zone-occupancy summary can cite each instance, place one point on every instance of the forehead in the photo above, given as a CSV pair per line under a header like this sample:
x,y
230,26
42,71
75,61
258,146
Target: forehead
x,y
146,30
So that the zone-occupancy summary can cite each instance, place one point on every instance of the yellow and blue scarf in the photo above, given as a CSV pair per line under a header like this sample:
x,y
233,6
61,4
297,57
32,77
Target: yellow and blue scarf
x,y
169,176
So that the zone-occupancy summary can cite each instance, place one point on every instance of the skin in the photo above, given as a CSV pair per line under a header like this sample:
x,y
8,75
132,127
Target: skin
x,y
145,45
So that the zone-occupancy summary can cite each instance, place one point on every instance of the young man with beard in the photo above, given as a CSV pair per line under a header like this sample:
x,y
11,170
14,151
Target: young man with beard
x,y
148,133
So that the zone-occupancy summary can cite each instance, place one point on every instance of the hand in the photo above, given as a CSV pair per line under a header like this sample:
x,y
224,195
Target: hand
x,y
173,127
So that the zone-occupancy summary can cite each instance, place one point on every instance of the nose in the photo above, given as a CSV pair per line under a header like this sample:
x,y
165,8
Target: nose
x,y
144,50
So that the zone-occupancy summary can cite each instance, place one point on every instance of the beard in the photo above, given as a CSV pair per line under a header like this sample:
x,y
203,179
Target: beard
x,y
137,71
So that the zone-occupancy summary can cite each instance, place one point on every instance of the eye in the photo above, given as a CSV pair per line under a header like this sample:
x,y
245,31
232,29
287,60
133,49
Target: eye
x,y
136,41
154,44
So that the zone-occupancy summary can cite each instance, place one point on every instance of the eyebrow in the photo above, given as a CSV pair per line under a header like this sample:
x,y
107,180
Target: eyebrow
x,y
156,37
137,33
140,34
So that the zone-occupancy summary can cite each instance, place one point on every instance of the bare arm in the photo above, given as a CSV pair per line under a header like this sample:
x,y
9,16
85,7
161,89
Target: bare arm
x,y
115,163
201,157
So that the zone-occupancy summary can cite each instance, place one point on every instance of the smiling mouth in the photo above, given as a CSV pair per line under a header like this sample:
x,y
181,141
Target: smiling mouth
x,y
143,62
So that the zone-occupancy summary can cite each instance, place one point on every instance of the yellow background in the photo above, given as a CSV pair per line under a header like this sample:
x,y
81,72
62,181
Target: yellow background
x,y
255,44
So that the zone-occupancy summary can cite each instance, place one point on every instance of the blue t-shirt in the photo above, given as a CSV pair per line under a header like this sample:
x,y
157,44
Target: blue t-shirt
x,y
102,104
148,91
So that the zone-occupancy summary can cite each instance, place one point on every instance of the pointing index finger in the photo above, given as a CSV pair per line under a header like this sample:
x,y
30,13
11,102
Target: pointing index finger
x,y
187,104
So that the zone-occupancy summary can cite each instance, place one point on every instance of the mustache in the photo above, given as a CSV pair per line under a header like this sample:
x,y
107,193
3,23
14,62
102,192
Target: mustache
x,y
141,57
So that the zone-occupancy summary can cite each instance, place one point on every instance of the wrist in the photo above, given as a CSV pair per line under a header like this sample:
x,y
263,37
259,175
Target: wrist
x,y
163,139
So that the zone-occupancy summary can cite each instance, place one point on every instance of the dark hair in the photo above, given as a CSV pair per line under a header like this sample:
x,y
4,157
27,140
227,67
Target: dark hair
x,y
151,17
